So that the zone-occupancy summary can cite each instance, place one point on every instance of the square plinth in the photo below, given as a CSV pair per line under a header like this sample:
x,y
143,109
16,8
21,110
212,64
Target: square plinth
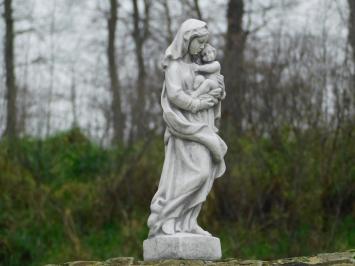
x,y
182,246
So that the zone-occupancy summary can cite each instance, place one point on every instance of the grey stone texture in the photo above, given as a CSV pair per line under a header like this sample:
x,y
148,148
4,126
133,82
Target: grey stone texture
x,y
182,246
191,98
194,152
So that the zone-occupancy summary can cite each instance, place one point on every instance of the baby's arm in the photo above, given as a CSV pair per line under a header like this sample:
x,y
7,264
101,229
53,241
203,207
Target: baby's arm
x,y
210,68
206,86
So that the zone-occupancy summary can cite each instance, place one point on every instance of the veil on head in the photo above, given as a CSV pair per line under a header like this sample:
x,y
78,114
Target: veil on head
x,y
189,29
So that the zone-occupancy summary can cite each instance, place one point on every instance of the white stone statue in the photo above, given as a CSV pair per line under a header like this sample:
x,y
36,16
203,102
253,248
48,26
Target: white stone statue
x,y
194,153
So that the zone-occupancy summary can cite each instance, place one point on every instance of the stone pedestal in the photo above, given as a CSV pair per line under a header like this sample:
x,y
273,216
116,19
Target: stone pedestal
x,y
182,246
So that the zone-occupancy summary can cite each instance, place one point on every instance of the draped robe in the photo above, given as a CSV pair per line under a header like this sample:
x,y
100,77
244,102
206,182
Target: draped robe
x,y
193,154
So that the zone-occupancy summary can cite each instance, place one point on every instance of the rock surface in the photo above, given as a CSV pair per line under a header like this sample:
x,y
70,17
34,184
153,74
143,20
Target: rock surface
x,y
341,258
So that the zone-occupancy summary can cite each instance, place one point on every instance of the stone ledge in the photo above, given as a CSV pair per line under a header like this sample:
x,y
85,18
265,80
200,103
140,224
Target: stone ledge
x,y
340,259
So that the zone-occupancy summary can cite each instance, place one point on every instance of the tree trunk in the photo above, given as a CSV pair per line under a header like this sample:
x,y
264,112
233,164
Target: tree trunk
x,y
352,40
11,93
168,22
198,9
352,27
117,114
233,66
140,34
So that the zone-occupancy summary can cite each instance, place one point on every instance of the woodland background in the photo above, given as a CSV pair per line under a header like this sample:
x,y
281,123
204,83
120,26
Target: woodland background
x,y
81,145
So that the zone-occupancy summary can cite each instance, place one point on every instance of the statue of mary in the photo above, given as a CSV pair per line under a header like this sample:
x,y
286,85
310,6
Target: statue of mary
x,y
194,153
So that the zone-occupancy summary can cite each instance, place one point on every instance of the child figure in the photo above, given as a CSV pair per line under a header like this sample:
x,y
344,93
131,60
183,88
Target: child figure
x,y
211,68
207,85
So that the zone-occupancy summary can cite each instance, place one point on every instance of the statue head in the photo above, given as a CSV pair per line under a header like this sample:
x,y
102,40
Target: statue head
x,y
208,54
190,38
197,44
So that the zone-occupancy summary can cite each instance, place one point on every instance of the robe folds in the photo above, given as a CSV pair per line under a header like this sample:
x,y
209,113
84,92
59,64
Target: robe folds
x,y
194,155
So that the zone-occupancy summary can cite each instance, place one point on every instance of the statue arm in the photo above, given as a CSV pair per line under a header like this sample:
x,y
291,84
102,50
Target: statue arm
x,y
176,94
210,68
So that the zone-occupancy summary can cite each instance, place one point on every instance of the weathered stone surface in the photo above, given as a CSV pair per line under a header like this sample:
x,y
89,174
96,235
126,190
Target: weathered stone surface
x,y
182,246
325,259
191,98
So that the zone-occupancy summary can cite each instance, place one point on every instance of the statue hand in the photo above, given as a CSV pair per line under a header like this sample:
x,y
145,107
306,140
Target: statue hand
x,y
195,67
207,102
216,93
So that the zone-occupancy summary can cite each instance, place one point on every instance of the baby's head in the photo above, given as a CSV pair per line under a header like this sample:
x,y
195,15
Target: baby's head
x,y
208,54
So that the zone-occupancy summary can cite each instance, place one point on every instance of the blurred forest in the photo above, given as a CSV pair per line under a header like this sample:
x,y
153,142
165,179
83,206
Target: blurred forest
x,y
81,146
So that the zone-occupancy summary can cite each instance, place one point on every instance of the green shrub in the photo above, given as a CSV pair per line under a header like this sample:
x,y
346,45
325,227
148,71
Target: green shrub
x,y
66,198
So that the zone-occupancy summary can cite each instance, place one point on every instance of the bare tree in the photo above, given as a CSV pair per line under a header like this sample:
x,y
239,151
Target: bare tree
x,y
168,21
51,68
192,9
233,64
352,27
118,117
140,35
198,9
11,118
352,38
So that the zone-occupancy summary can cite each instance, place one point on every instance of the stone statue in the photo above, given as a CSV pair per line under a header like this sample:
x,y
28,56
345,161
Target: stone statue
x,y
194,153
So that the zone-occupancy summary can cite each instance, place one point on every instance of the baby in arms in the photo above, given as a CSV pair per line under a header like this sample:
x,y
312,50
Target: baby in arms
x,y
206,85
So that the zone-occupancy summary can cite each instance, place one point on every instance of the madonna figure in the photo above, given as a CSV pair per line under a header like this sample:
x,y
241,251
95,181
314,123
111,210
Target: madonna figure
x,y
194,153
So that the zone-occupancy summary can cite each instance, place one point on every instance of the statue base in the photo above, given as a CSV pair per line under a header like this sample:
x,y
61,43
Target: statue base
x,y
182,246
